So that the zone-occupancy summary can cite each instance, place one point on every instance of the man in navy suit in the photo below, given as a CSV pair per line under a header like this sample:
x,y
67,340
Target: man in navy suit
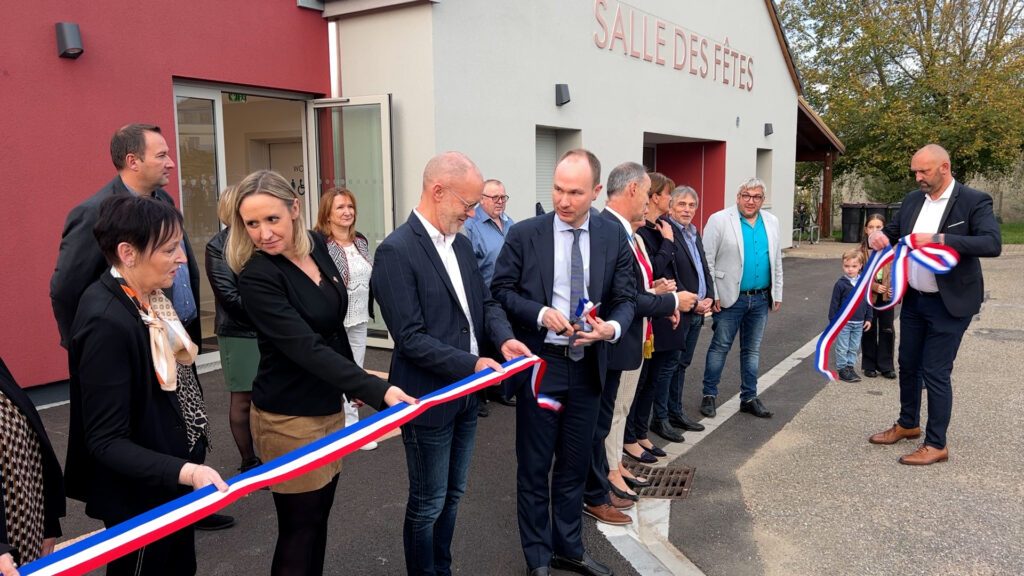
x,y
936,308
547,264
440,313
628,185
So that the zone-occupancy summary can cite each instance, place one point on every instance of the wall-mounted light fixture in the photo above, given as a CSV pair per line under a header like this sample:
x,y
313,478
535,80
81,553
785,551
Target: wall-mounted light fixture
x,y
69,40
561,94
768,130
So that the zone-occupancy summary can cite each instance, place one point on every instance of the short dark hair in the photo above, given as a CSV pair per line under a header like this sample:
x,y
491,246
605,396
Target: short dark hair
x,y
130,139
595,164
142,221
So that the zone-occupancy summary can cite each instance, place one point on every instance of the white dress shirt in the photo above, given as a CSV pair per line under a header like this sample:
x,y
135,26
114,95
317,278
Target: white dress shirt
x,y
928,221
444,243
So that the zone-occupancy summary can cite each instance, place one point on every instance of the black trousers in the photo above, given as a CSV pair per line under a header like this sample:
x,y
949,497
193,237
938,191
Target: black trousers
x,y
639,419
555,444
929,340
879,342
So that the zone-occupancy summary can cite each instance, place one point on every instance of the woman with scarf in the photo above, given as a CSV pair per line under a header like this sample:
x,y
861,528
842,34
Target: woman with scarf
x,y
139,432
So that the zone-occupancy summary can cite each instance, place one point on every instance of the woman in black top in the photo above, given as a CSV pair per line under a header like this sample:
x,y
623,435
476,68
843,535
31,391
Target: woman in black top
x,y
138,432
295,298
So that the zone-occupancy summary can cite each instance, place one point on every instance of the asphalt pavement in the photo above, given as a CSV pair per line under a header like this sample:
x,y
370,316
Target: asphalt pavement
x,y
800,493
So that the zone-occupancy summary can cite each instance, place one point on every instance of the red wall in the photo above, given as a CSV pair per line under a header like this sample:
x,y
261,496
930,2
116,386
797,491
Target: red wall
x,y
699,165
57,115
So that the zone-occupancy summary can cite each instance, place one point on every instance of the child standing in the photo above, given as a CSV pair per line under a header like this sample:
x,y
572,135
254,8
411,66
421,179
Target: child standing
x,y
848,342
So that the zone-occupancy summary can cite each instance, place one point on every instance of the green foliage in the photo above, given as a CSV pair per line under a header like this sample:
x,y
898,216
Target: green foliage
x,y
892,75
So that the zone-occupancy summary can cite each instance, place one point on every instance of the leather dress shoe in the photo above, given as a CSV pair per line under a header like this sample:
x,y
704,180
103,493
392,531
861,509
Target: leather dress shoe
x,y
895,434
645,457
655,450
662,428
607,514
871,373
215,522
510,401
482,411
755,407
707,406
891,375
541,571
622,495
585,565
683,423
620,503
925,455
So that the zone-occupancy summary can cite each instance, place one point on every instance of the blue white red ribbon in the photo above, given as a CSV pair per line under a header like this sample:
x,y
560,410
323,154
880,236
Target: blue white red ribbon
x,y
937,258
116,541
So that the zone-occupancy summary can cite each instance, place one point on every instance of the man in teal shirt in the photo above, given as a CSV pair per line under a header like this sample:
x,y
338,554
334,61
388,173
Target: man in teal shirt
x,y
741,244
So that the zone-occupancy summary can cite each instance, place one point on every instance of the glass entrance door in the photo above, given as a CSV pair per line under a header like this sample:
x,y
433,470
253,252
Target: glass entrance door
x,y
350,140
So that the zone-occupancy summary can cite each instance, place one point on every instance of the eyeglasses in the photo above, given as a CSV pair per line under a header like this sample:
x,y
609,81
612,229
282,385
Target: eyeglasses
x,y
469,207
751,197
498,198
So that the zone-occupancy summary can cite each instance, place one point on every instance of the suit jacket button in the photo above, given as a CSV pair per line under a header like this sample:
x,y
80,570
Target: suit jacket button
x,y
465,330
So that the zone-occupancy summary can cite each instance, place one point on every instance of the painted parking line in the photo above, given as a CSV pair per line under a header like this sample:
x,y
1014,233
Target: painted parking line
x,y
645,542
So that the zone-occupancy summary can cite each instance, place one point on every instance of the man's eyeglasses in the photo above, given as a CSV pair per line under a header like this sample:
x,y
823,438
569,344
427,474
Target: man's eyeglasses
x,y
498,198
469,207
752,197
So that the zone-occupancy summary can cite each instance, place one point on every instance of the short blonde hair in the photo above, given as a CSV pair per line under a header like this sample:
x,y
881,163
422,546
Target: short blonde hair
x,y
240,247
854,254
225,204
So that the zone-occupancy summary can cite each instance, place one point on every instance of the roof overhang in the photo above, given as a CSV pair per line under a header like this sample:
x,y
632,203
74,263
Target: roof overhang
x,y
814,139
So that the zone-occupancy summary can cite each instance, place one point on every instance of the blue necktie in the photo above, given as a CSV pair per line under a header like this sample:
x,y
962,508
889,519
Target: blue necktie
x,y
575,287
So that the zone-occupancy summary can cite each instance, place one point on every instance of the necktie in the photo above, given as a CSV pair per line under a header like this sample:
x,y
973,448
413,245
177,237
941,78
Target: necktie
x,y
648,348
575,286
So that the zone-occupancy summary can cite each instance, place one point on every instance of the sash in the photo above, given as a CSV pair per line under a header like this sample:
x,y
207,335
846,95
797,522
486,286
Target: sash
x,y
937,258
108,545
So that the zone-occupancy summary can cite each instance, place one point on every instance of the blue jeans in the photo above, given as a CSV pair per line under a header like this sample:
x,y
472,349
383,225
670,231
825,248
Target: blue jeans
x,y
848,344
747,316
438,462
677,376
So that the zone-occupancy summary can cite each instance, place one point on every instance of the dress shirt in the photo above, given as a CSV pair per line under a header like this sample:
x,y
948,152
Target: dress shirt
x,y
756,262
444,243
928,221
487,240
689,233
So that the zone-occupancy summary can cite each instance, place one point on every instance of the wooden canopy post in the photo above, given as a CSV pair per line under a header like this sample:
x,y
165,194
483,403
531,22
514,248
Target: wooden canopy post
x,y
825,209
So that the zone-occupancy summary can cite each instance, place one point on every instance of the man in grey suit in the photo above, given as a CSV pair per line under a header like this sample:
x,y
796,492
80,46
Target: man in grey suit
x,y
745,260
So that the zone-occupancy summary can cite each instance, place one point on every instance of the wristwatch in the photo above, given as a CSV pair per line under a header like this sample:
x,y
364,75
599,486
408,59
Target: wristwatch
x,y
936,238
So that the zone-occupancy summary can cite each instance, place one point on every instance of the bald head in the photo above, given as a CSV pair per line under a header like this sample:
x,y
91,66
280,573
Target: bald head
x,y
448,167
931,169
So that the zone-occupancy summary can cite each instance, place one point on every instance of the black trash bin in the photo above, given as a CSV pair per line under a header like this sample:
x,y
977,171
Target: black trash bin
x,y
891,210
853,222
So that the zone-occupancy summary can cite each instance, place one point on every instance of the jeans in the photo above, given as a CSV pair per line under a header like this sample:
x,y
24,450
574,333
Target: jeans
x,y
747,316
848,344
438,462
675,374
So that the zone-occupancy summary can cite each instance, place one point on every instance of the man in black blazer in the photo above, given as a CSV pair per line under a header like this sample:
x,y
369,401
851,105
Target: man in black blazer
x,y
144,165
628,185
546,264
690,271
440,314
936,308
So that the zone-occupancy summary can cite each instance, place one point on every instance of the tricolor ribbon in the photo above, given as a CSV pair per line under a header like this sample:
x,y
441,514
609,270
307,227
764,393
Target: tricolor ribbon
x,y
116,541
937,258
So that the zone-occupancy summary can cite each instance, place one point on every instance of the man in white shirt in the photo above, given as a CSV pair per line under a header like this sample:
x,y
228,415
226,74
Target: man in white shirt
x,y
936,309
439,312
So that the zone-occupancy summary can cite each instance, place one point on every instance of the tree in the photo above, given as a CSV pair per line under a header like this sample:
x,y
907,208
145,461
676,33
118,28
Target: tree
x,y
891,75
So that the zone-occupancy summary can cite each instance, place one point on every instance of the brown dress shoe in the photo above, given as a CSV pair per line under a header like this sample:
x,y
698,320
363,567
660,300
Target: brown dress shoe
x,y
925,455
620,503
895,434
607,514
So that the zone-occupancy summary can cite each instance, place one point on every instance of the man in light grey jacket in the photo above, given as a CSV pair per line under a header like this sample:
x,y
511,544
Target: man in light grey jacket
x,y
741,244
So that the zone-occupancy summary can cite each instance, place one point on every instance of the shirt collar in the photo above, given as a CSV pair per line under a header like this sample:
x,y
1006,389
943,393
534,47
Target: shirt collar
x,y
945,193
434,233
563,227
623,221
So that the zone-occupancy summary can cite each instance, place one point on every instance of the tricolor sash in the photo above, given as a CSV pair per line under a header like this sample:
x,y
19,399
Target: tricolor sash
x,y
116,541
937,258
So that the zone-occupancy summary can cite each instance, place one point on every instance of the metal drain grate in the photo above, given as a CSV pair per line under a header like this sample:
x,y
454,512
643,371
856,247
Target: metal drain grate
x,y
672,482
